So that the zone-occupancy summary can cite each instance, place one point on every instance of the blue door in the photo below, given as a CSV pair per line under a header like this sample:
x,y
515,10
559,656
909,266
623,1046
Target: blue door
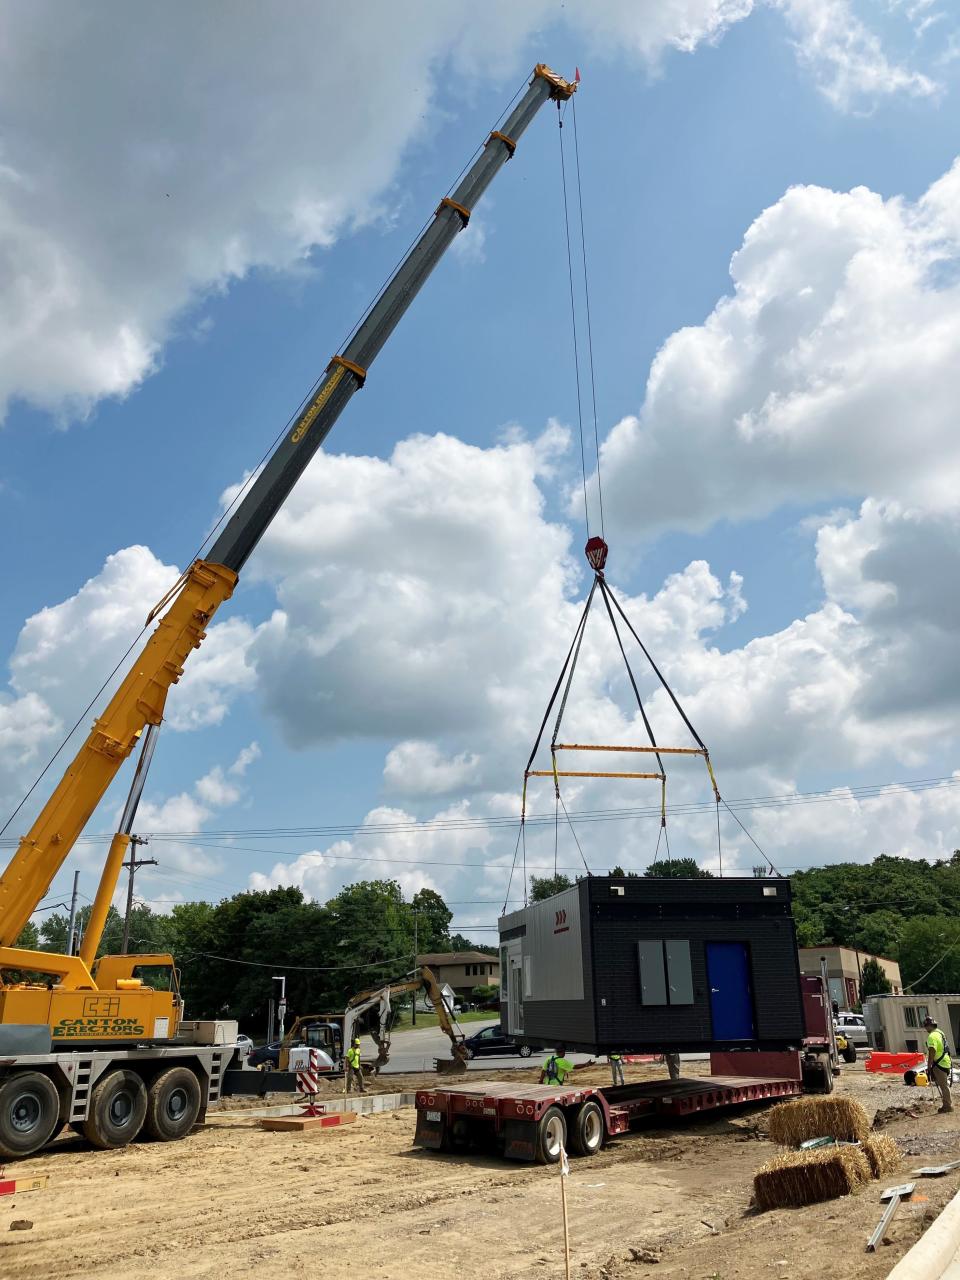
x,y
731,1003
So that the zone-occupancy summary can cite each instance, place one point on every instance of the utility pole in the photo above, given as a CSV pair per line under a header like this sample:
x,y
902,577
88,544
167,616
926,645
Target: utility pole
x,y
134,864
282,1002
416,949
73,914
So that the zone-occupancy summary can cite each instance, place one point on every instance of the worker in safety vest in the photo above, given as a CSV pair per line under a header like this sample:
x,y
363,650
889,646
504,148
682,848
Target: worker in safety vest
x,y
938,1062
354,1067
558,1066
616,1067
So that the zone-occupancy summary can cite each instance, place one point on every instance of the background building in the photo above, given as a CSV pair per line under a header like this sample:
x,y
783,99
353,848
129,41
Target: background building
x,y
463,970
844,967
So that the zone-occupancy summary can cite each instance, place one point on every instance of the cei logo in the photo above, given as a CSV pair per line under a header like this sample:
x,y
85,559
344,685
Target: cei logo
x,y
561,925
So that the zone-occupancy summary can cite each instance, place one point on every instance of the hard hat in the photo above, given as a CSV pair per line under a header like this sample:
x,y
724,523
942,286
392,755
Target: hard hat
x,y
356,1039
929,1022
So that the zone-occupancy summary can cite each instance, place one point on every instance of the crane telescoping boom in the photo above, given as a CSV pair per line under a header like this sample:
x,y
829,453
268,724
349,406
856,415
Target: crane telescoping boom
x,y
185,613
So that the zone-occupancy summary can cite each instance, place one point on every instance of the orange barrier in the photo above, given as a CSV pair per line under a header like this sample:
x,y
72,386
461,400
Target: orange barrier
x,y
896,1063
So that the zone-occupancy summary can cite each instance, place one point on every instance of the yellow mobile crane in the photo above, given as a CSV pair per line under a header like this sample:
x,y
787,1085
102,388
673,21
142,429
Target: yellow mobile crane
x,y
94,1045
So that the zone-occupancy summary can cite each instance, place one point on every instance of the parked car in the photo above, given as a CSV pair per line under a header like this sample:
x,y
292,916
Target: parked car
x,y
853,1026
494,1040
244,1046
267,1057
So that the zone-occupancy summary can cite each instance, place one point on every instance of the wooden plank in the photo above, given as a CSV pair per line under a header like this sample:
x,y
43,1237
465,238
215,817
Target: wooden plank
x,y
15,1186
307,1124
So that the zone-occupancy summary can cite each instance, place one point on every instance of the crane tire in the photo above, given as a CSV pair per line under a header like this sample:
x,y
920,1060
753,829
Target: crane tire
x,y
173,1104
118,1107
551,1136
29,1113
586,1132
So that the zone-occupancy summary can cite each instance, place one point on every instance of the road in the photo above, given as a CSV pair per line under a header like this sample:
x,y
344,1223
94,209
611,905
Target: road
x,y
416,1050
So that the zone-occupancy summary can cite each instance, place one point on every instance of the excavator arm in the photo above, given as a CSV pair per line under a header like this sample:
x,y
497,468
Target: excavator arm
x,y
192,603
424,980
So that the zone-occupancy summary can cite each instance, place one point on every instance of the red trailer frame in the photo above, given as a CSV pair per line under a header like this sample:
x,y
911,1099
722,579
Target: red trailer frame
x,y
532,1123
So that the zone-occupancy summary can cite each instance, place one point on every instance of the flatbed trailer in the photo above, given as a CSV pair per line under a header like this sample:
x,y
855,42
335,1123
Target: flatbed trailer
x,y
536,1122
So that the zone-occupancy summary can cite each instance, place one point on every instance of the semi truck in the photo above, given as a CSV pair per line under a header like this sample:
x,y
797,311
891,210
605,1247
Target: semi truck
x,y
101,1043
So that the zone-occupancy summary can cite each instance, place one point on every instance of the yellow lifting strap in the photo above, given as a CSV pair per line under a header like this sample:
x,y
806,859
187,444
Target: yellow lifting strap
x,y
447,203
507,142
357,370
713,781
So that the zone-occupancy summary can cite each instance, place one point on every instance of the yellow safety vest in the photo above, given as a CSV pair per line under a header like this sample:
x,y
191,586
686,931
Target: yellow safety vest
x,y
938,1044
353,1058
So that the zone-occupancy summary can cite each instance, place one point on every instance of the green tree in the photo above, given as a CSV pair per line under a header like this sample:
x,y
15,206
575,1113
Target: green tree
x,y
678,869
457,942
930,954
433,920
873,980
29,937
879,933
546,886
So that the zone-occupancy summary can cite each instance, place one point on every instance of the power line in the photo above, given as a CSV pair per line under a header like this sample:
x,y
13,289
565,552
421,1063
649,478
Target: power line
x,y
784,800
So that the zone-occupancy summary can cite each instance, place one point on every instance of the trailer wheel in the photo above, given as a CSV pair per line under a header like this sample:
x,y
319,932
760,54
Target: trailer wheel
x,y
817,1074
551,1136
118,1106
29,1113
173,1104
586,1135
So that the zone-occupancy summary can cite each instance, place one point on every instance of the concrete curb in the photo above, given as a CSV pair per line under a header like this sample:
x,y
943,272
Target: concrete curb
x,y
365,1104
935,1251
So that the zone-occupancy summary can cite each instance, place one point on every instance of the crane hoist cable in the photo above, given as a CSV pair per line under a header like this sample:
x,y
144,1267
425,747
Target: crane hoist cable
x,y
596,552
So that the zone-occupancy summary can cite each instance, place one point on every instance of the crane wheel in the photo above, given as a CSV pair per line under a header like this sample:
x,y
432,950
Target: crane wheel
x,y
551,1136
586,1133
173,1104
118,1106
29,1113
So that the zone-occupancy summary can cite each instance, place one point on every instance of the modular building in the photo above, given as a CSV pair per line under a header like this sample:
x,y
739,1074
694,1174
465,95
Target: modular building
x,y
895,1023
642,965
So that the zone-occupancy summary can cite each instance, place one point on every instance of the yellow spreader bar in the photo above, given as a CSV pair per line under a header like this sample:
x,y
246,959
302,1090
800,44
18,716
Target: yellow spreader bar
x,y
576,773
664,751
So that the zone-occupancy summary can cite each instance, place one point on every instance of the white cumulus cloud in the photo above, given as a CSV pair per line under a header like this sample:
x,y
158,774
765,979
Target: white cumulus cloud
x,y
149,158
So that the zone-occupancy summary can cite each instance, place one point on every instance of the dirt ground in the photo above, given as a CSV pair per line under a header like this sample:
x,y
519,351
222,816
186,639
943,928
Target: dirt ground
x,y
361,1201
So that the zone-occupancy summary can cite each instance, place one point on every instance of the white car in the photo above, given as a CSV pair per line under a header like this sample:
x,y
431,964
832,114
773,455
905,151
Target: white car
x,y
244,1045
853,1026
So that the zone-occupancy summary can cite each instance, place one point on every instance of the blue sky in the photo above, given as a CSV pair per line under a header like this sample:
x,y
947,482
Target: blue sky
x,y
681,152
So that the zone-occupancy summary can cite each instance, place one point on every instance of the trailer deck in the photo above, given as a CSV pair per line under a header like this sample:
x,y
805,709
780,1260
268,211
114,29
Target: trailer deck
x,y
515,1118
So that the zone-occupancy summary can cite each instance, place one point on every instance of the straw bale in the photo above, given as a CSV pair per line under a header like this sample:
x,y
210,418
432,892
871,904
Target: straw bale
x,y
805,1177
882,1153
791,1123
